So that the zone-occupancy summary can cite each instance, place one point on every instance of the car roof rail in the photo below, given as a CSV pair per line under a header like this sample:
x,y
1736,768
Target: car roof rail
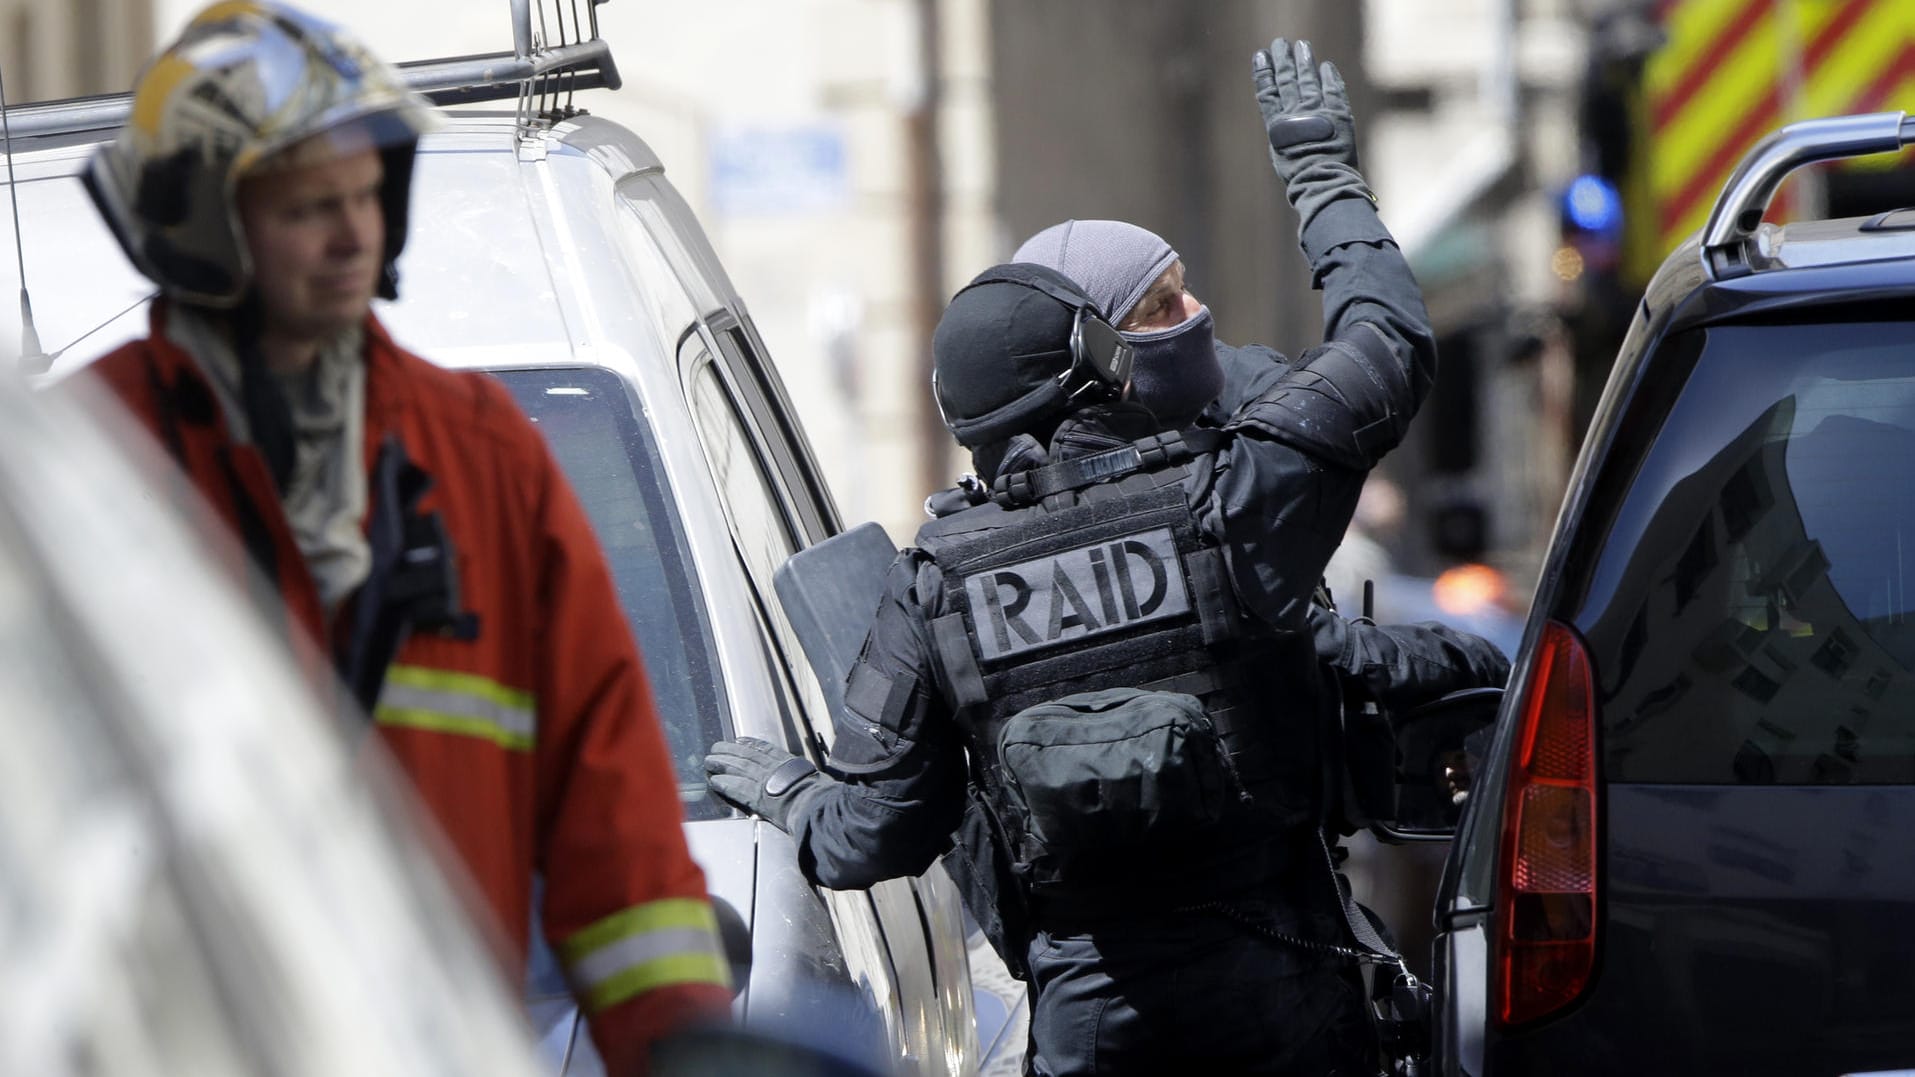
x,y
1745,198
543,67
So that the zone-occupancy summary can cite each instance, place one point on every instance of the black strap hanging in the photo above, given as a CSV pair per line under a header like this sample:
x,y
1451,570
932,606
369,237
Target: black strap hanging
x,y
413,582
1030,486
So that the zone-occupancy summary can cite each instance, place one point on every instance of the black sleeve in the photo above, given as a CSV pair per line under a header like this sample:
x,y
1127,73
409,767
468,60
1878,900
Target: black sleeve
x,y
1350,400
896,753
1402,666
1248,373
1286,483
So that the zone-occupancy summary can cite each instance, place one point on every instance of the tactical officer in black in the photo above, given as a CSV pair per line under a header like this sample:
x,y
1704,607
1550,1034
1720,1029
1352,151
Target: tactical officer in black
x,y
1190,379
1116,652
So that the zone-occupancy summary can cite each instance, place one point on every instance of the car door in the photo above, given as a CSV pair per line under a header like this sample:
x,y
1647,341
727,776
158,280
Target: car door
x,y
882,925
903,937
1718,677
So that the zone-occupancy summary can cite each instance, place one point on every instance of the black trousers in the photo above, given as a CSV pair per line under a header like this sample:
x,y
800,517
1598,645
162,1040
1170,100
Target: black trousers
x,y
1198,993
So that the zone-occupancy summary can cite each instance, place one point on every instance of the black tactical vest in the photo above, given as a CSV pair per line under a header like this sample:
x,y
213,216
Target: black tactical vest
x,y
1094,574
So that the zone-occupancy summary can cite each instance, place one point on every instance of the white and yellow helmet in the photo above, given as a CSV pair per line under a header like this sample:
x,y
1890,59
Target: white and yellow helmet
x,y
246,80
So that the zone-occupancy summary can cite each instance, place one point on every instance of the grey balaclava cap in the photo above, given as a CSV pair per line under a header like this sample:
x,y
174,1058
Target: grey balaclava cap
x,y
1114,262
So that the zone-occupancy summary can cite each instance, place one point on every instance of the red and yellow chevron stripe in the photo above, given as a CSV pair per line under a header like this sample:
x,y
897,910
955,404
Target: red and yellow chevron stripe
x,y
1730,71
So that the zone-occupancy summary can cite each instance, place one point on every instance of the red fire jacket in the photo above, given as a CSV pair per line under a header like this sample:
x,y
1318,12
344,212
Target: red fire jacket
x,y
534,744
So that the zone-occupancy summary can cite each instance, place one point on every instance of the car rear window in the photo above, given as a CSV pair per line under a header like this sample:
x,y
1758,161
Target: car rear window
x,y
592,425
1752,615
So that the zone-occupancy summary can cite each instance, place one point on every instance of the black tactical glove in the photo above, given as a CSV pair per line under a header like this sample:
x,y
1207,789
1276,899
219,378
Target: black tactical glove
x,y
1312,133
1404,665
761,778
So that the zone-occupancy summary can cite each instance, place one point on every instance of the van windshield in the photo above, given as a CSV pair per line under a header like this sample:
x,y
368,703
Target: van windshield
x,y
1766,544
608,454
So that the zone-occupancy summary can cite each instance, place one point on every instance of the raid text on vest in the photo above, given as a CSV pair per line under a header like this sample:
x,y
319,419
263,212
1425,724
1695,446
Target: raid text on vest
x,y
1075,594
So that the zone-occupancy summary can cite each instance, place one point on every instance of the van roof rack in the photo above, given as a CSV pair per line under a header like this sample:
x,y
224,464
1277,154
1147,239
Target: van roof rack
x,y
534,73
1739,209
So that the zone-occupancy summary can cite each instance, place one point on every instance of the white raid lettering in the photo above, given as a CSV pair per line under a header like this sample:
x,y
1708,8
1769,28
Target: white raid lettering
x,y
1086,591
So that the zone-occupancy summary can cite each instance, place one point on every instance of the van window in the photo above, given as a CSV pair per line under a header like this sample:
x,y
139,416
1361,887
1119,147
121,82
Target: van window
x,y
1753,612
766,537
608,455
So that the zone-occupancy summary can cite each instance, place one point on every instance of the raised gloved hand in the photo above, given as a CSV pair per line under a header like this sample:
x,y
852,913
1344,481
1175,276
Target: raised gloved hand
x,y
1306,114
761,778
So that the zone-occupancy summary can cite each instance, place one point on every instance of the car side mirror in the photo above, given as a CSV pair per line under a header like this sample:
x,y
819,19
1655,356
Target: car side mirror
x,y
1440,748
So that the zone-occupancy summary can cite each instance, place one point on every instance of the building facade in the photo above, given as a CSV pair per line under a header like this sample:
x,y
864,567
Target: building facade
x,y
72,48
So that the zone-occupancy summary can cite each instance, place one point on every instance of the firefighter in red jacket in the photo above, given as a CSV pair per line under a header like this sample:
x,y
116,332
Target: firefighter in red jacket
x,y
409,521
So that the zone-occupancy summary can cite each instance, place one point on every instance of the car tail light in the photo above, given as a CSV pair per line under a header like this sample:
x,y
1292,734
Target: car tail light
x,y
1545,943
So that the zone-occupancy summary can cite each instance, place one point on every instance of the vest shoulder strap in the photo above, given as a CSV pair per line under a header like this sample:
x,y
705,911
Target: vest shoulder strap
x,y
1146,454
960,528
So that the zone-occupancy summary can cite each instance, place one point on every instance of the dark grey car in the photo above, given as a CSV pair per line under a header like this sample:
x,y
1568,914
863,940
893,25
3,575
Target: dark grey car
x,y
1689,851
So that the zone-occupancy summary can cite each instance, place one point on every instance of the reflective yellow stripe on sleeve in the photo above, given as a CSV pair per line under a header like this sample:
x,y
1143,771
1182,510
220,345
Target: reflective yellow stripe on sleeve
x,y
643,948
415,697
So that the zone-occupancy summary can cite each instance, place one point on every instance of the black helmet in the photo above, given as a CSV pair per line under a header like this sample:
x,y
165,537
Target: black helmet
x,y
1018,347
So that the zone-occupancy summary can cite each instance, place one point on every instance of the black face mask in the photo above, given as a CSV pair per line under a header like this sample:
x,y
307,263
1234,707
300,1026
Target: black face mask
x,y
1176,373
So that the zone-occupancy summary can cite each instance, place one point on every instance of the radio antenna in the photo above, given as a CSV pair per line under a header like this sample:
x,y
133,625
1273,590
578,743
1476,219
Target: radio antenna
x,y
29,336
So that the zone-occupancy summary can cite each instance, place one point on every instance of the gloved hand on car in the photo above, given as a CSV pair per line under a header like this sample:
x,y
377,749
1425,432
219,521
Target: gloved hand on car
x,y
1306,114
762,779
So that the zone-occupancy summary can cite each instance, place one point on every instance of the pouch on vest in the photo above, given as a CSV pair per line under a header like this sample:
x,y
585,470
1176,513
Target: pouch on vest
x,y
1117,771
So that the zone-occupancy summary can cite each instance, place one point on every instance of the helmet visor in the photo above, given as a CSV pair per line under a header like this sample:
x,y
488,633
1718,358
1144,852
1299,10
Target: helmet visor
x,y
377,132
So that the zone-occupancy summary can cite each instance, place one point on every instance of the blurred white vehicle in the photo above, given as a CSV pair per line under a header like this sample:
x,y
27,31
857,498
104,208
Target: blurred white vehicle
x,y
195,878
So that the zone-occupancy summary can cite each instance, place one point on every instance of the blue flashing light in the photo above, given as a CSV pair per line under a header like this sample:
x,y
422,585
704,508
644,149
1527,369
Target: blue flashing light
x,y
1593,204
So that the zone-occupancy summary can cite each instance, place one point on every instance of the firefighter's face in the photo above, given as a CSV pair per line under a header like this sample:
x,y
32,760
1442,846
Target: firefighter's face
x,y
316,233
